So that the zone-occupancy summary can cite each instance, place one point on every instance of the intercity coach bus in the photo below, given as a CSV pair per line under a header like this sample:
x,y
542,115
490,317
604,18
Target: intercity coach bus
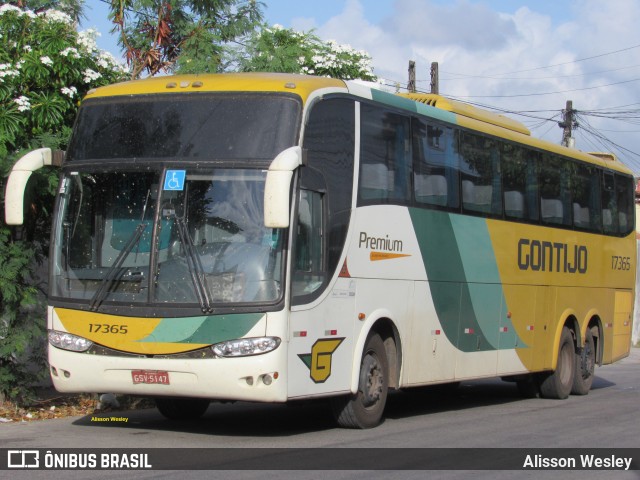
x,y
272,238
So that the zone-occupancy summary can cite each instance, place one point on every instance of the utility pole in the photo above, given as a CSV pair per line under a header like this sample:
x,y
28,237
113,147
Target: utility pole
x,y
435,78
411,86
567,125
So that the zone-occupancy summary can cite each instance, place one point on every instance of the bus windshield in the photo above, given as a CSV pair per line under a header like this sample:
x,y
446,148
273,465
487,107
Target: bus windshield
x,y
203,126
189,237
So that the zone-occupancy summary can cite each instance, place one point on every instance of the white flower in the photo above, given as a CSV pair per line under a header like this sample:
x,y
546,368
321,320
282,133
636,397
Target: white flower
x,y
6,70
52,15
46,60
70,51
90,75
23,103
87,40
27,48
69,91
9,8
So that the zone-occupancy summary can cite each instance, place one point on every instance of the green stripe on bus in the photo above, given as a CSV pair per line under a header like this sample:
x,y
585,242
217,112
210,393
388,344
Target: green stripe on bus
x,y
483,280
465,287
412,106
203,330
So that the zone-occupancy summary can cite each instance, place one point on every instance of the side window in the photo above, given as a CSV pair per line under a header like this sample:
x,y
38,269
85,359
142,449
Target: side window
x,y
520,183
585,197
435,178
555,197
480,172
308,263
626,208
385,156
329,143
609,204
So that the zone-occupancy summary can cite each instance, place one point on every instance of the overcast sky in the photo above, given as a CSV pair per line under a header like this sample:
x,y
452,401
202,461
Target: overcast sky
x,y
519,56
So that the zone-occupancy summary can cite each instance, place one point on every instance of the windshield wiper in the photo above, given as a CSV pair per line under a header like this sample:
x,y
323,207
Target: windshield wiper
x,y
110,276
195,267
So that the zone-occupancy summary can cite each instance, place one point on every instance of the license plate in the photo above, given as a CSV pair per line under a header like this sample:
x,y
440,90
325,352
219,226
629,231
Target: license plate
x,y
153,377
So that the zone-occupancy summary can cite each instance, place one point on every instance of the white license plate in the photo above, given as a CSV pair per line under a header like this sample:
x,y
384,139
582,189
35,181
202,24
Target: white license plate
x,y
153,377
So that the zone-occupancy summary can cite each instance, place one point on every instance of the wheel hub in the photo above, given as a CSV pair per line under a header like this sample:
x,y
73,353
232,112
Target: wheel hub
x,y
371,380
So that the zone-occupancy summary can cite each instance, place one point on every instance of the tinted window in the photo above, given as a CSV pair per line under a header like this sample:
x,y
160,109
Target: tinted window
x,y
329,142
625,195
520,183
585,194
435,178
480,174
555,197
385,156
204,126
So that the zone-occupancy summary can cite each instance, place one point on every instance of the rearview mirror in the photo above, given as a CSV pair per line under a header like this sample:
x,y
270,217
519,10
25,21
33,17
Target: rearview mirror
x,y
18,178
277,199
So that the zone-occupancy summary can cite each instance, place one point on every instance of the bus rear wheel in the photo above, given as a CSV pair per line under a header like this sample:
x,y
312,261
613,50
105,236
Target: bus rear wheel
x,y
585,366
182,408
365,408
560,382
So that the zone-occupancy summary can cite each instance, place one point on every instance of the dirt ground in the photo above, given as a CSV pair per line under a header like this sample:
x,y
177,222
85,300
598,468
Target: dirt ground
x,y
51,404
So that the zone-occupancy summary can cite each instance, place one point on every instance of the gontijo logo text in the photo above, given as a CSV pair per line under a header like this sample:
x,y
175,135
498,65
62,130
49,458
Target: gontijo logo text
x,y
381,248
543,256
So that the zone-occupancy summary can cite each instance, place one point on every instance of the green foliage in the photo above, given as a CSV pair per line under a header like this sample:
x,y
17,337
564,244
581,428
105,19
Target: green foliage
x,y
185,36
46,67
279,49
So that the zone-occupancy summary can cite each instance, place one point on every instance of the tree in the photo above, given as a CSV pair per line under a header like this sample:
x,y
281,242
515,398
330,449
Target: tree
x,y
46,67
279,49
185,36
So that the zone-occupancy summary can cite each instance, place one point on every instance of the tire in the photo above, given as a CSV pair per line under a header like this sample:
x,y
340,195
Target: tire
x,y
559,384
585,366
365,408
182,408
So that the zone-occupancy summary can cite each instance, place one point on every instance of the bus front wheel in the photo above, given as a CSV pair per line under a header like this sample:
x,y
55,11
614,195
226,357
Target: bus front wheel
x,y
365,408
560,382
182,408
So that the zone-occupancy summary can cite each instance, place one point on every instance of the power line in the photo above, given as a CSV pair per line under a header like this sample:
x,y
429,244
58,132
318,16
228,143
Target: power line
x,y
544,93
462,76
573,61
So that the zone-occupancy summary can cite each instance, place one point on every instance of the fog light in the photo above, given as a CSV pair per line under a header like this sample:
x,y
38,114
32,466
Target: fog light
x,y
266,379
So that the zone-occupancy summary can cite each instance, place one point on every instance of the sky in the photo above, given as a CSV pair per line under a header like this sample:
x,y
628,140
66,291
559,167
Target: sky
x,y
524,58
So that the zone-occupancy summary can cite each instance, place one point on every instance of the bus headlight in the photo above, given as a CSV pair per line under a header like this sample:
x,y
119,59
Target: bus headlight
x,y
66,341
243,347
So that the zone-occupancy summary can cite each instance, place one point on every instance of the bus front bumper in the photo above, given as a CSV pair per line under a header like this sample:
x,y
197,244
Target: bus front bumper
x,y
252,378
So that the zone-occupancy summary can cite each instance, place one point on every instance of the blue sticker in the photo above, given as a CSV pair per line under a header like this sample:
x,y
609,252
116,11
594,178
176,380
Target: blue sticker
x,y
174,180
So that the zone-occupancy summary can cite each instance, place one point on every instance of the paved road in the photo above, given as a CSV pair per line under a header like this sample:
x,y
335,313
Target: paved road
x,y
479,414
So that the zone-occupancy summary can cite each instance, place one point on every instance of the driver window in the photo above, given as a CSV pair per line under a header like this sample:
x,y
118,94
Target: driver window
x,y
308,262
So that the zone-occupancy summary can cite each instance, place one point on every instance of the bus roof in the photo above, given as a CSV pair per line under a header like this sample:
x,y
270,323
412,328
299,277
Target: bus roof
x,y
302,85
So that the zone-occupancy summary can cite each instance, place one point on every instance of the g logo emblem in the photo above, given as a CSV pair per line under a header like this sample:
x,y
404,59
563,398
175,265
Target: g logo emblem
x,y
319,360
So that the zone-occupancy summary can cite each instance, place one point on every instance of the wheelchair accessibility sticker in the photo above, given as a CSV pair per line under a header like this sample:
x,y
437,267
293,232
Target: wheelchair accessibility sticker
x,y
174,180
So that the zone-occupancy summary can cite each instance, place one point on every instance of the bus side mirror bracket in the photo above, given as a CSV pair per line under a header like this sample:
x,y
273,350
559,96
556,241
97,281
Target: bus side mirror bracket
x,y
277,200
18,178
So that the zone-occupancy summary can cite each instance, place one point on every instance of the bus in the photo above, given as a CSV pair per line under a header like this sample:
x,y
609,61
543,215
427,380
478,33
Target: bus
x,y
274,238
